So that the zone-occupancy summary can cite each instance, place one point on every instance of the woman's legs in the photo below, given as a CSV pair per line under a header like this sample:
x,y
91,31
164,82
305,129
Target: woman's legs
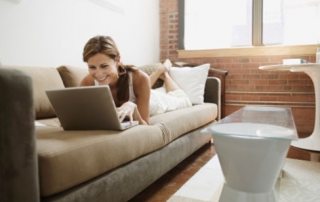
x,y
163,73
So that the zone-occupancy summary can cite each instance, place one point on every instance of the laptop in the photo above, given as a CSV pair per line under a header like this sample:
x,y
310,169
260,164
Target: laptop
x,y
87,108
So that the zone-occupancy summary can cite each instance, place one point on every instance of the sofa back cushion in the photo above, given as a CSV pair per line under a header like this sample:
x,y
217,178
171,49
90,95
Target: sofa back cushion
x,y
43,78
72,76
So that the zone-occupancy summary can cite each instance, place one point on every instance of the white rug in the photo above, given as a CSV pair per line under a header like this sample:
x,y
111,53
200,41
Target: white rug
x,y
299,182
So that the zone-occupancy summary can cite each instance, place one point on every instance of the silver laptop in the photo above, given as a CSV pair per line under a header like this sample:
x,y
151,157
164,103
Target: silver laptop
x,y
86,108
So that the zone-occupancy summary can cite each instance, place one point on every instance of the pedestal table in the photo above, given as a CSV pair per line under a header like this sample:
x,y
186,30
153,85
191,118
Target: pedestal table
x,y
313,70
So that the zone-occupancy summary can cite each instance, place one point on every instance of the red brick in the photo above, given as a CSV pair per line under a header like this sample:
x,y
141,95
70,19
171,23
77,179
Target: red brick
x,y
269,63
269,76
241,60
234,76
252,66
231,87
245,87
232,96
251,76
249,97
289,76
298,82
232,65
239,82
303,89
277,82
304,76
268,98
259,82
260,59
239,71
268,88
298,98
224,60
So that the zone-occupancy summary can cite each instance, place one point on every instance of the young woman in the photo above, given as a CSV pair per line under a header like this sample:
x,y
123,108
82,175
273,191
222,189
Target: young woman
x,y
130,87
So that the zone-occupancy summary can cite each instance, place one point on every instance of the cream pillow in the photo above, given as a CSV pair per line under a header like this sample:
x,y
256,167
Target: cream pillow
x,y
191,80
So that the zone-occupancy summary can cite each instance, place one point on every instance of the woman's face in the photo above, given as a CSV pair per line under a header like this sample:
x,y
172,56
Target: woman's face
x,y
103,69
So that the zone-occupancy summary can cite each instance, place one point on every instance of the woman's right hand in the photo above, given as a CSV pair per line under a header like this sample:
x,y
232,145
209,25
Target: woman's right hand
x,y
127,110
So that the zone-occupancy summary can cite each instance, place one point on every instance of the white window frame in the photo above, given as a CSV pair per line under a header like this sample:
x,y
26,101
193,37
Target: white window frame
x,y
257,48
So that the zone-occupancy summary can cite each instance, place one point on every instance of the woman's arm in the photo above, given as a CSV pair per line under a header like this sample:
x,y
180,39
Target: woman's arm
x,y
142,88
140,110
87,81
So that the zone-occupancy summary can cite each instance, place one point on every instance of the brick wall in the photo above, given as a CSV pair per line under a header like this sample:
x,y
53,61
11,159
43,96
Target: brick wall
x,y
245,83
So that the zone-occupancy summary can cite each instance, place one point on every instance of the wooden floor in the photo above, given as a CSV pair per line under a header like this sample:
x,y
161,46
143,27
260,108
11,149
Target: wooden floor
x,y
166,186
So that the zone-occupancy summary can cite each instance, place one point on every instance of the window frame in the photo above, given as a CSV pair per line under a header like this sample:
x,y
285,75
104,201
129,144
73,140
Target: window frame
x,y
257,48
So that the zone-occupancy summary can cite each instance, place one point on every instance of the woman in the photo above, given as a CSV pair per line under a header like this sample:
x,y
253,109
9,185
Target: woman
x,y
130,86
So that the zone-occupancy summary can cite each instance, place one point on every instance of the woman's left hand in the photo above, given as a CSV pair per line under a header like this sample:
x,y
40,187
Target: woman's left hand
x,y
127,110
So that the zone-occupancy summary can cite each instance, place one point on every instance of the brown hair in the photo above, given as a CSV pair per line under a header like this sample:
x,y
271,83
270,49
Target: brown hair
x,y
107,46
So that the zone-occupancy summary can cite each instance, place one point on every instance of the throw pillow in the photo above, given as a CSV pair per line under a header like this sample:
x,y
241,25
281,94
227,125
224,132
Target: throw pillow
x,y
72,76
191,80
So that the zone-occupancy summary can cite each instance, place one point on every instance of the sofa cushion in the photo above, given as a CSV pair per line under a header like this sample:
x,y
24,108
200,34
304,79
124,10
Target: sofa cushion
x,y
178,122
43,78
72,76
191,80
68,158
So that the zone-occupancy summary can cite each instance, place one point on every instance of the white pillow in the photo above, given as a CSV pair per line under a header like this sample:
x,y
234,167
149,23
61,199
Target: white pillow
x,y
191,80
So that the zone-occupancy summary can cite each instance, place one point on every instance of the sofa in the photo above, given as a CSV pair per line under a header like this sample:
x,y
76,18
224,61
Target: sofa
x,y
42,162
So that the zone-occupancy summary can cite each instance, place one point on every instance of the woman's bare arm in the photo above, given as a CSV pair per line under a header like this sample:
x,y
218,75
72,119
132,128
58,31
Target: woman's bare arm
x,y
87,81
142,88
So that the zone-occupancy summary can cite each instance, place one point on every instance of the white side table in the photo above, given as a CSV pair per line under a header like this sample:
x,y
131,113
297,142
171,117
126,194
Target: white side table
x,y
313,70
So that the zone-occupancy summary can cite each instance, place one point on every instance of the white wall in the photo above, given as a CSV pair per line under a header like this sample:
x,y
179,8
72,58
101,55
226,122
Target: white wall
x,y
54,32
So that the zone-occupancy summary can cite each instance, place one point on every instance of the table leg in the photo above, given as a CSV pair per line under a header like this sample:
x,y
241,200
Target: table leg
x,y
313,141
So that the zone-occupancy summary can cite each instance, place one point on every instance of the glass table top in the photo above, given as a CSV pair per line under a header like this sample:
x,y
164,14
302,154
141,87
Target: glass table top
x,y
257,121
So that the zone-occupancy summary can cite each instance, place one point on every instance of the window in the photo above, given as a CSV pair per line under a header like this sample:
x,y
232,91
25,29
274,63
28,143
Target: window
x,y
210,24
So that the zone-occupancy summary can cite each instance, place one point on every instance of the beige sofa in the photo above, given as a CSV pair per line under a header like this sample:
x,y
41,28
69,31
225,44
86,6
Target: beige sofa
x,y
42,162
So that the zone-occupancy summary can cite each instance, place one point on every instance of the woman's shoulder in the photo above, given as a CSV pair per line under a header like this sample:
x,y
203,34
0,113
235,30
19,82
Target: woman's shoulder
x,y
87,81
139,74
140,78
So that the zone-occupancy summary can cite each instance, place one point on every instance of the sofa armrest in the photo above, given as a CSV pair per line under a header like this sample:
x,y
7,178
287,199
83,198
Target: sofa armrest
x,y
212,93
221,74
18,157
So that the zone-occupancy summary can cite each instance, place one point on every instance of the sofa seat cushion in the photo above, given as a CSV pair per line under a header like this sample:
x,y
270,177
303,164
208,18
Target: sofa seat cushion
x,y
68,158
178,122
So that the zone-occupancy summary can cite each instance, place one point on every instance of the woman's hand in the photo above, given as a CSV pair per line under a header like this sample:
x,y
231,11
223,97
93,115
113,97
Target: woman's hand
x,y
127,110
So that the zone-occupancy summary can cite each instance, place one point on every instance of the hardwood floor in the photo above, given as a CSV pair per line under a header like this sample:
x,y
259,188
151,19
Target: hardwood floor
x,y
167,185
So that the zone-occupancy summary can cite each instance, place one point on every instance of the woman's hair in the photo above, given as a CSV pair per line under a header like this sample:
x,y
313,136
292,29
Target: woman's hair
x,y
106,45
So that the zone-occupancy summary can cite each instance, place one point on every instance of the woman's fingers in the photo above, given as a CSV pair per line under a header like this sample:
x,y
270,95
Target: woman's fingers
x,y
122,115
131,118
126,110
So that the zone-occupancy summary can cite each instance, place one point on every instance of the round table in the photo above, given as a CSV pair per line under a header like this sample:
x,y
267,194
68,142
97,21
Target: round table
x,y
313,70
